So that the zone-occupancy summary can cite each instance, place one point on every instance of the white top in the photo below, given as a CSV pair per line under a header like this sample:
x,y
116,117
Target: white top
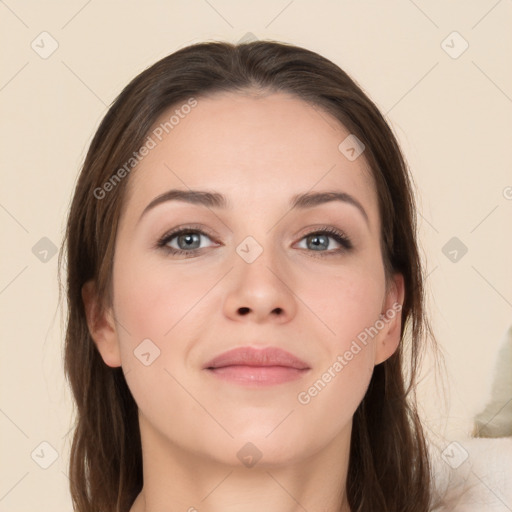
x,y
473,475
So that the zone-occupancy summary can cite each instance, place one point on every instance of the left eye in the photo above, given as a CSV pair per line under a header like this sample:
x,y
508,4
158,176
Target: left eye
x,y
319,240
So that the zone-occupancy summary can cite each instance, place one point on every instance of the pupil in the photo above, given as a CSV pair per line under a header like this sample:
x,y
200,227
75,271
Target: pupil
x,y
315,239
190,239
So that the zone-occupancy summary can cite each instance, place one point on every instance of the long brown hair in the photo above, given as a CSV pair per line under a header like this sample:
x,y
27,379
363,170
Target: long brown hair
x,y
389,467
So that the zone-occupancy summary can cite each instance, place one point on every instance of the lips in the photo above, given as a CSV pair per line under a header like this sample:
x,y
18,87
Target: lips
x,y
251,357
256,368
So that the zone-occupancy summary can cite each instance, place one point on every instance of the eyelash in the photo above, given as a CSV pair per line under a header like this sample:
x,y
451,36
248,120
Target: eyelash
x,y
337,235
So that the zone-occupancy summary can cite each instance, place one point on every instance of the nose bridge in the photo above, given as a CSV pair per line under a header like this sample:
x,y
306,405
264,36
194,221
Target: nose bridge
x,y
260,244
259,281
258,260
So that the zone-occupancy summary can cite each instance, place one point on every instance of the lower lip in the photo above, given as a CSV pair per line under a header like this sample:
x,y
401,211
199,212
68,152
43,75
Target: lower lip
x,y
258,375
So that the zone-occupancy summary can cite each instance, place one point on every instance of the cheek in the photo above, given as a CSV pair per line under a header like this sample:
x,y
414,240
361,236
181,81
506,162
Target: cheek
x,y
333,394
348,305
152,300
347,302
161,310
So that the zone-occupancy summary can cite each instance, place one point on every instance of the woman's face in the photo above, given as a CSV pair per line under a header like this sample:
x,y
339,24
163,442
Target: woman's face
x,y
254,271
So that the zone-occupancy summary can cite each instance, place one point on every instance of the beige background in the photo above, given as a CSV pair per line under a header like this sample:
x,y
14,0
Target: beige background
x,y
452,116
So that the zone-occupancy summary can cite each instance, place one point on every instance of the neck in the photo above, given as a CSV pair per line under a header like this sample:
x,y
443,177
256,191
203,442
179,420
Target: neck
x,y
177,479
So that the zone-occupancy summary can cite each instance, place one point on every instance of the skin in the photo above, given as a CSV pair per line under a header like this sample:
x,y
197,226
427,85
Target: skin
x,y
258,150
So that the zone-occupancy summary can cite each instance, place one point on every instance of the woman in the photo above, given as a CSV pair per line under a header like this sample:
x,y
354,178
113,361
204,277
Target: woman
x,y
245,294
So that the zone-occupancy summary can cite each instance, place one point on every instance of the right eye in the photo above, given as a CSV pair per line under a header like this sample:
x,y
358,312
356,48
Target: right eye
x,y
184,241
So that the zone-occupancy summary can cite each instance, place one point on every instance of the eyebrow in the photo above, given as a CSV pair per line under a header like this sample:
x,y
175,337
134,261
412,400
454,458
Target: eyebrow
x,y
216,200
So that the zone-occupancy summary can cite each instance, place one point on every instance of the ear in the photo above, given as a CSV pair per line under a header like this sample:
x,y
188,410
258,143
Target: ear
x,y
101,324
391,316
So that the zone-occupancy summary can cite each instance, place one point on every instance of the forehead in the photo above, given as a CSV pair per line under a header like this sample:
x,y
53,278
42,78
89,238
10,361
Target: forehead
x,y
253,148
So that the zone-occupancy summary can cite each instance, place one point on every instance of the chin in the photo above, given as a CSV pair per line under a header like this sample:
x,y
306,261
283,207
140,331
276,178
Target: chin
x,y
262,454
279,448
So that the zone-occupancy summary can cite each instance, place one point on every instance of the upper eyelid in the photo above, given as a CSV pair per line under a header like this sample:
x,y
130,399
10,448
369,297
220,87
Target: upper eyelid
x,y
187,229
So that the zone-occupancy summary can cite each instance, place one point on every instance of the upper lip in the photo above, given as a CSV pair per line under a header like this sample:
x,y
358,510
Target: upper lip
x,y
249,356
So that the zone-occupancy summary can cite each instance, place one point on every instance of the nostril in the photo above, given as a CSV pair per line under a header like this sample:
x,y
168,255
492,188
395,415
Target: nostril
x,y
243,311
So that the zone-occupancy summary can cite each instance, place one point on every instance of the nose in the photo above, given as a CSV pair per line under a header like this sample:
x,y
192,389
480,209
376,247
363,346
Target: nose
x,y
260,291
